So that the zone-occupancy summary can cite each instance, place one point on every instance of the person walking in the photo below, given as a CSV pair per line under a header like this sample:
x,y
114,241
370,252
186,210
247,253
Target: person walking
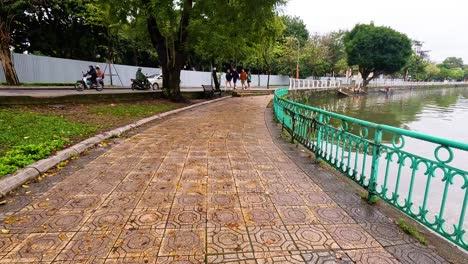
x,y
235,77
243,78
228,79
249,78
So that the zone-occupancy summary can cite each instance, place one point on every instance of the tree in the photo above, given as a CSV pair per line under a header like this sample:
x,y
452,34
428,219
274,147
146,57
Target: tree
x,y
452,63
335,52
432,71
267,46
376,50
11,12
295,28
416,68
169,24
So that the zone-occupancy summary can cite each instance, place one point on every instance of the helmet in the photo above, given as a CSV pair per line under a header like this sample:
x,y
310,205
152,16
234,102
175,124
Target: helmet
x,y
139,69
90,66
97,66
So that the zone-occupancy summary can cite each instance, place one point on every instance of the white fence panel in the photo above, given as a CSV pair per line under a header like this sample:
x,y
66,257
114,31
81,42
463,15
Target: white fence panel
x,y
42,69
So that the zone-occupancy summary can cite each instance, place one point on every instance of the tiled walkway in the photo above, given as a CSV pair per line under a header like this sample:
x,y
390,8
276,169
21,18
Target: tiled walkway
x,y
206,186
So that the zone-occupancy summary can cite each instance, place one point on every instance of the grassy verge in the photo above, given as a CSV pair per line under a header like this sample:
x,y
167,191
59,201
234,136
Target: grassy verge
x,y
31,133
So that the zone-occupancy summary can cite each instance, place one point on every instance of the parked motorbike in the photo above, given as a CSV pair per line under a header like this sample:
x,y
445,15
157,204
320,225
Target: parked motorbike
x,y
137,85
85,83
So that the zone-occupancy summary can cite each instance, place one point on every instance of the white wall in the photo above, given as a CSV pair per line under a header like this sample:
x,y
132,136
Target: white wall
x,y
42,69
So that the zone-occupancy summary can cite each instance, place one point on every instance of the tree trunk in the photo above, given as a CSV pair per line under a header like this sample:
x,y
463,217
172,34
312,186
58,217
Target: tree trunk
x,y
7,64
215,79
171,53
268,79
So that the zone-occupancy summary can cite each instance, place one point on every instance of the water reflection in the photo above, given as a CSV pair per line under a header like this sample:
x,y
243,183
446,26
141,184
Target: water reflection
x,y
440,112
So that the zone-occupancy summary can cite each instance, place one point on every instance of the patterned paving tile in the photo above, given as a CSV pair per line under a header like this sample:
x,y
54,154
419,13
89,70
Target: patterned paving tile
x,y
9,242
278,187
225,217
254,200
24,222
89,246
388,234
186,217
131,187
287,199
363,212
39,247
311,237
65,221
181,260
331,215
225,240
155,200
371,256
326,257
105,220
351,236
84,202
296,215
279,257
192,187
190,200
180,242
317,198
415,254
261,216
270,238
148,219
223,200
131,260
137,243
121,202
238,258
250,186
221,187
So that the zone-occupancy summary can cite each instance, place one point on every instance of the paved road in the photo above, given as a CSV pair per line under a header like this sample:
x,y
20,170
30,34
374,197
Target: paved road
x,y
210,186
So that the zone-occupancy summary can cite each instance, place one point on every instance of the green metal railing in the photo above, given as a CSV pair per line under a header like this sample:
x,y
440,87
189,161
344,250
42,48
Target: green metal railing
x,y
420,186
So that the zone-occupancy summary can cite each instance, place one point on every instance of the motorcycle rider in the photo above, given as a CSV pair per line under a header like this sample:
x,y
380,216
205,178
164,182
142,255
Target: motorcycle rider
x,y
99,75
92,73
140,77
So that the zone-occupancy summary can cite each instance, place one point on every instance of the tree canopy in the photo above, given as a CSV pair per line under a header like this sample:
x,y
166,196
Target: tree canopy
x,y
376,50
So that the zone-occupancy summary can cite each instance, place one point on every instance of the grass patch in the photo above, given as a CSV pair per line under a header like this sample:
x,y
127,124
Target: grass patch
x,y
31,133
412,231
26,137
137,110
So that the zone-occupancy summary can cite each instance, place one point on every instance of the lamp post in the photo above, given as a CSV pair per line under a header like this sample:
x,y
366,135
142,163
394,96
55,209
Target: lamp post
x,y
297,63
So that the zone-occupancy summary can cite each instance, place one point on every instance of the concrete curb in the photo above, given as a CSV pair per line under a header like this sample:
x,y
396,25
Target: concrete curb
x,y
30,172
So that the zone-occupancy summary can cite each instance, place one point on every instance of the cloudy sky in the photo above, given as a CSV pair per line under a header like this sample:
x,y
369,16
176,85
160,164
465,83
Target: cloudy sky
x,y
441,24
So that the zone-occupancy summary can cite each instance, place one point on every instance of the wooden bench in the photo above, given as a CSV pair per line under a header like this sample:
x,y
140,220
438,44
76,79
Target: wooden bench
x,y
210,91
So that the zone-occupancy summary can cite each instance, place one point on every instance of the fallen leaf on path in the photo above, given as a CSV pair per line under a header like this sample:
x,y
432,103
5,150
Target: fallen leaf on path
x,y
3,202
25,186
5,231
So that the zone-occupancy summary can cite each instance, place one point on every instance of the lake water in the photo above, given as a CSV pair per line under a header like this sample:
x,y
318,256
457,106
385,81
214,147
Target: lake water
x,y
441,112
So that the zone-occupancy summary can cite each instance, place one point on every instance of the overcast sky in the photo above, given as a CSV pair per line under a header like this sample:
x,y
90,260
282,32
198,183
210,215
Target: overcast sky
x,y
441,24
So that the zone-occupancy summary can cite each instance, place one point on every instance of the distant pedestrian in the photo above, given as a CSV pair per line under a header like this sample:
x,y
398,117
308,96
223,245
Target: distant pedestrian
x,y
235,77
228,79
243,78
249,78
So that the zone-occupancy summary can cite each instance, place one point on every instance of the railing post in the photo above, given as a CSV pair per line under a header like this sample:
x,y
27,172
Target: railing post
x,y
372,188
319,137
293,126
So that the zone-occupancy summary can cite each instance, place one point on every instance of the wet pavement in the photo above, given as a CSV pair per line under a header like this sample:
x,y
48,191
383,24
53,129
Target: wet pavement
x,y
211,185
